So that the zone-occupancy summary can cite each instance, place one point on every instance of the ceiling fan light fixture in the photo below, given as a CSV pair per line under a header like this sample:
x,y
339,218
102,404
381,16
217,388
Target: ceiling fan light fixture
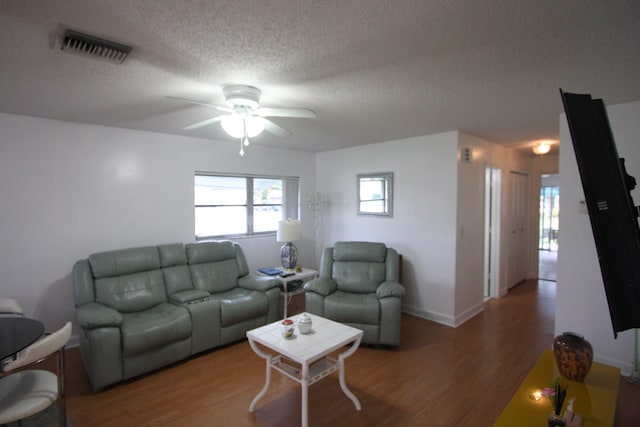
x,y
245,118
542,148
235,125
242,96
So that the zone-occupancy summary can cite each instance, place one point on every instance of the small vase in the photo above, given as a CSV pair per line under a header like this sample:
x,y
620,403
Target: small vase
x,y
556,420
304,323
573,355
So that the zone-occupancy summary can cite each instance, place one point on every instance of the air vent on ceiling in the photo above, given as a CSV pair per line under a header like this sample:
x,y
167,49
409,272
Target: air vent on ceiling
x,y
94,46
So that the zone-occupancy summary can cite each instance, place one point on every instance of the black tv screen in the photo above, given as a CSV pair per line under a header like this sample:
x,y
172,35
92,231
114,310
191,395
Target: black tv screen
x,y
612,213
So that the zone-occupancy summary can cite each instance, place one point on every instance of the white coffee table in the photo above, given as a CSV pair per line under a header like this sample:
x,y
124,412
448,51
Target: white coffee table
x,y
304,357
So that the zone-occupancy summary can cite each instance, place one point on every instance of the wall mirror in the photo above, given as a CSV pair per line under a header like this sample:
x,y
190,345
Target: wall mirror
x,y
374,193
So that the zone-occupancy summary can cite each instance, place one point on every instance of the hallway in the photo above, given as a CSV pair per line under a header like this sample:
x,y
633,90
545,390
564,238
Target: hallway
x,y
547,264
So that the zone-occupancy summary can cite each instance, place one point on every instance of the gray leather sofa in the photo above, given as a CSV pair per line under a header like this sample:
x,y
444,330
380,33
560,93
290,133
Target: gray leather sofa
x,y
140,309
358,285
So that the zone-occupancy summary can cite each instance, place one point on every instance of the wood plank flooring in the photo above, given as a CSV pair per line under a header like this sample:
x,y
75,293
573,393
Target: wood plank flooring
x,y
438,376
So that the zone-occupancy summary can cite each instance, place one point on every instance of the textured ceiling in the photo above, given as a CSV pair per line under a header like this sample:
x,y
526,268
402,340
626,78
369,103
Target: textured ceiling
x,y
372,70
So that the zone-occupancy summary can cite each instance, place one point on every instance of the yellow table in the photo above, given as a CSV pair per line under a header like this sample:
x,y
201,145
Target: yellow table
x,y
595,398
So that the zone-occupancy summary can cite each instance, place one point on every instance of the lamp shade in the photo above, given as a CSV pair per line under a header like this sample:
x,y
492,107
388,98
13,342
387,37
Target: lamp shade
x,y
288,230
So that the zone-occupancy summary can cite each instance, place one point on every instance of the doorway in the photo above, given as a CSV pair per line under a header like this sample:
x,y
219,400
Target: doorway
x,y
548,227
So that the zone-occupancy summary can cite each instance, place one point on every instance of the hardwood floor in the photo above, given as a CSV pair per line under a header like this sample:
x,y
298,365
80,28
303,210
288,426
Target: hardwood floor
x,y
438,376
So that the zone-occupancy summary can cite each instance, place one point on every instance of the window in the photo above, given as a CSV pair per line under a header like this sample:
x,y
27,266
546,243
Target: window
x,y
374,194
234,205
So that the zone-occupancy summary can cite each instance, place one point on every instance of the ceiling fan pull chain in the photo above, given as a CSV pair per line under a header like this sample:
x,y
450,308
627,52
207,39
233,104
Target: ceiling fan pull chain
x,y
244,128
241,148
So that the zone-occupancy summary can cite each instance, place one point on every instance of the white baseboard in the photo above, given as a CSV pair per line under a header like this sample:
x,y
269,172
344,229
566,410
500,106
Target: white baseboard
x,y
444,319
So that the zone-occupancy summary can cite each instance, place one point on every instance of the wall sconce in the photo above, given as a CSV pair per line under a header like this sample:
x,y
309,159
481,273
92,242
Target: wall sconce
x,y
542,148
316,204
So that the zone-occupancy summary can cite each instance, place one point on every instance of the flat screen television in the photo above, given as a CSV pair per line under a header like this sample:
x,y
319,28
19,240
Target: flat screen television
x,y
612,213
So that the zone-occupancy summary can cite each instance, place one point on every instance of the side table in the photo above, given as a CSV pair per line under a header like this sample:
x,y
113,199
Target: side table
x,y
595,398
304,276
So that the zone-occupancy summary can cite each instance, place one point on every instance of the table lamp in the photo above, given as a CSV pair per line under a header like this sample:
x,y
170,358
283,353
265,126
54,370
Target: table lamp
x,y
288,231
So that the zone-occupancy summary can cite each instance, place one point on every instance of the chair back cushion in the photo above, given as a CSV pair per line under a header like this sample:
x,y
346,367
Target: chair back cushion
x,y
359,267
359,251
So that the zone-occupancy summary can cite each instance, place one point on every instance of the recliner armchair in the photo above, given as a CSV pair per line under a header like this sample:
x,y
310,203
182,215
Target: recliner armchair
x,y
358,285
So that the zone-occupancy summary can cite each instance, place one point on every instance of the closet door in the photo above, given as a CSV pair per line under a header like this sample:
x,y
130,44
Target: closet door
x,y
518,250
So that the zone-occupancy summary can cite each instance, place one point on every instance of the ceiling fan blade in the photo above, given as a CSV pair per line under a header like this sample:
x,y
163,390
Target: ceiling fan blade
x,y
300,113
273,128
191,101
204,123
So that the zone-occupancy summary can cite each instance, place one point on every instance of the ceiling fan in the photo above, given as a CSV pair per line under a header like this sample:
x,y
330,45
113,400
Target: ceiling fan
x,y
245,118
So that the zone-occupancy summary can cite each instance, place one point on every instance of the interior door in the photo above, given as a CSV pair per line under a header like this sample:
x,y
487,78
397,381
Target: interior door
x,y
518,212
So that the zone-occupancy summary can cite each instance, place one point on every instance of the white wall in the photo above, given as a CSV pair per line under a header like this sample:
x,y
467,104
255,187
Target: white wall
x,y
423,226
581,303
469,295
438,215
68,190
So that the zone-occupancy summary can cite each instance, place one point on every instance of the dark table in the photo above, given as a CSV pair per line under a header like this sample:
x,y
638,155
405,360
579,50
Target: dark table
x,y
17,333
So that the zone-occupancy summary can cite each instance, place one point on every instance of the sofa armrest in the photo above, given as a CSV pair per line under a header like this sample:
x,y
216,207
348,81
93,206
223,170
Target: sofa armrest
x,y
258,283
94,315
321,286
390,289
187,297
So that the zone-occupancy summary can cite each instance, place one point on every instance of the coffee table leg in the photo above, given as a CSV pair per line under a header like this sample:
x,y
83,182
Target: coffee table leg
x,y
305,395
267,358
343,384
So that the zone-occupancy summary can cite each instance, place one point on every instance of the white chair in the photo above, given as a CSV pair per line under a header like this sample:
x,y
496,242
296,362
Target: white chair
x,y
28,392
11,307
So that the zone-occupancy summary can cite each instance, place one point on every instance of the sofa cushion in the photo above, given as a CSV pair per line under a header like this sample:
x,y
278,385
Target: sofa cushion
x,y
131,292
124,261
177,279
198,253
352,308
173,254
238,305
153,328
215,277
